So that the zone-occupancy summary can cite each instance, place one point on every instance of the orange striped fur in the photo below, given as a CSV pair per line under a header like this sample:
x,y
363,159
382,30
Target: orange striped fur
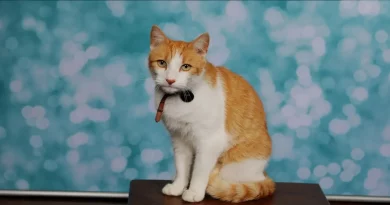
x,y
246,122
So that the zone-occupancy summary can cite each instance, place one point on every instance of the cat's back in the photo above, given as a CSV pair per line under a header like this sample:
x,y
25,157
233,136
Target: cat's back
x,y
237,88
244,108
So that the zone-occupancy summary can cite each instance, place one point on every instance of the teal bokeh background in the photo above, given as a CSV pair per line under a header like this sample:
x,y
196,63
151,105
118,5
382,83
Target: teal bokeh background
x,y
76,97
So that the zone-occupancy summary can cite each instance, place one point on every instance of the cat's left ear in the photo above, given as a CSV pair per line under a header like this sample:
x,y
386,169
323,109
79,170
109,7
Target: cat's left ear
x,y
201,44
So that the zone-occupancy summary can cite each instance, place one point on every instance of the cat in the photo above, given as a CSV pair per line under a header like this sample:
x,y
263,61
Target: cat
x,y
222,133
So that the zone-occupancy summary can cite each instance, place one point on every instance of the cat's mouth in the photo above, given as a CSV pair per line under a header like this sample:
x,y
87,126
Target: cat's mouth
x,y
169,89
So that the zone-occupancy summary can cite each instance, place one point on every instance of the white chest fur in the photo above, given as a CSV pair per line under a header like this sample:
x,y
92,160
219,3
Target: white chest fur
x,y
200,118
198,130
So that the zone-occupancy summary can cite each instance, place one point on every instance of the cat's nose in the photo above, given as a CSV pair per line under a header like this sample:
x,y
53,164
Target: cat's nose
x,y
170,81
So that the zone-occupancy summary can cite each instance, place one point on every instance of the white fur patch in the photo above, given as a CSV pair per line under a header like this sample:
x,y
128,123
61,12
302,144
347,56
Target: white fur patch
x,y
198,119
245,171
200,124
174,65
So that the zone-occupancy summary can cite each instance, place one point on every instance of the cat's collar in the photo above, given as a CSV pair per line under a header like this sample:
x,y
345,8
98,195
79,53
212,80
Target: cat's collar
x,y
186,96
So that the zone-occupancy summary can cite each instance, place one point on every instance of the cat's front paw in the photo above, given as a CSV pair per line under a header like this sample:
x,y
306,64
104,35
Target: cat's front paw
x,y
190,195
173,190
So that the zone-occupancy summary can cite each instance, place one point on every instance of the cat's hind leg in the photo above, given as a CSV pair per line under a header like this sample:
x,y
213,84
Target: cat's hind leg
x,y
248,170
240,181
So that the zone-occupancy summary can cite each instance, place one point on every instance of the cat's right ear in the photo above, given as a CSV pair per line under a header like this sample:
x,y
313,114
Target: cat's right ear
x,y
157,37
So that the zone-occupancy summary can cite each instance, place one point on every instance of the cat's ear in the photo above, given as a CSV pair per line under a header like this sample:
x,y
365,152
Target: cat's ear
x,y
157,37
201,44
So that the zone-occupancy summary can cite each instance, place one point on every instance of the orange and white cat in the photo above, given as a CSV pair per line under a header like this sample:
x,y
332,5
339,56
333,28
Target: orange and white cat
x,y
222,132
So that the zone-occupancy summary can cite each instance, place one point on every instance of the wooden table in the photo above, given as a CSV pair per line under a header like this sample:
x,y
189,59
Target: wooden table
x,y
148,192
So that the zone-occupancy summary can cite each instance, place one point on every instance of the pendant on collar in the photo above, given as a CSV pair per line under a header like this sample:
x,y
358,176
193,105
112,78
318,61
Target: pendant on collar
x,y
187,96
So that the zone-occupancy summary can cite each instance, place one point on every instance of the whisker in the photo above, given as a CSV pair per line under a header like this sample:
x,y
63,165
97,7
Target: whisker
x,y
156,87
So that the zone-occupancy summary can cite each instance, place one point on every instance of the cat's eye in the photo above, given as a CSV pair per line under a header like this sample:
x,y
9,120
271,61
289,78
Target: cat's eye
x,y
186,67
162,63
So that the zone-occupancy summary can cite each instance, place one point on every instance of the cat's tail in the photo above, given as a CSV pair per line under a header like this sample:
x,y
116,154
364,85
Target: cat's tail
x,y
238,192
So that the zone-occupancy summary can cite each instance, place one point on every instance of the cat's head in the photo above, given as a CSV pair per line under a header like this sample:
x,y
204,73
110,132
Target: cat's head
x,y
176,65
